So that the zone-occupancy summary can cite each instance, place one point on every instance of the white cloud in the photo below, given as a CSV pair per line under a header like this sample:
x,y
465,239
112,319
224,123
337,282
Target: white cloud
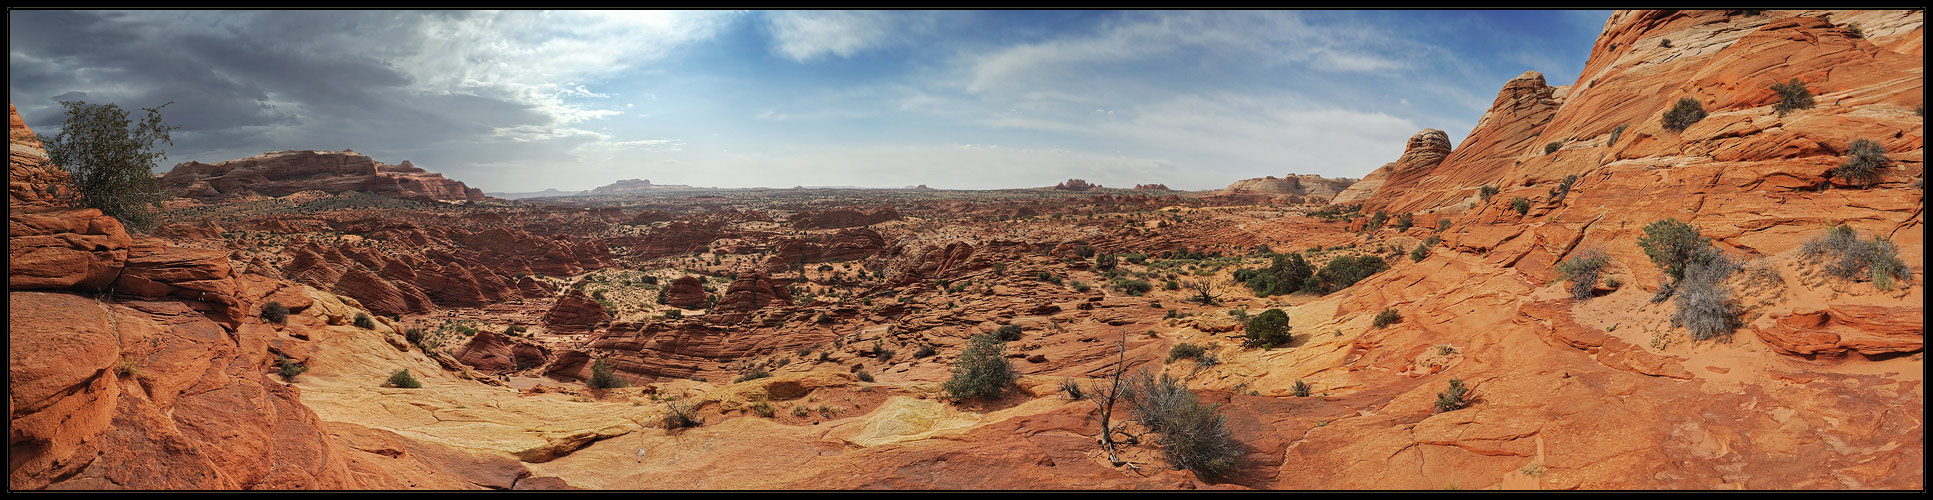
x,y
804,36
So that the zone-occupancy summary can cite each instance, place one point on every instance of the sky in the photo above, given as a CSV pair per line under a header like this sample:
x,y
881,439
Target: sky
x,y
518,101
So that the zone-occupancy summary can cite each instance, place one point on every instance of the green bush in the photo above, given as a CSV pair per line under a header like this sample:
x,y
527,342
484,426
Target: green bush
x,y
1521,205
288,368
1268,329
864,376
1106,261
1404,221
1686,112
1792,96
1185,351
982,371
1488,191
1864,158
1084,251
365,322
403,379
924,351
1671,244
1582,271
1048,277
1666,43
1452,399
757,372
1080,286
1342,272
764,409
1553,146
602,376
1422,250
1388,317
1563,188
111,160
275,312
1851,257
1375,221
1007,333
1285,275
1193,436
1300,389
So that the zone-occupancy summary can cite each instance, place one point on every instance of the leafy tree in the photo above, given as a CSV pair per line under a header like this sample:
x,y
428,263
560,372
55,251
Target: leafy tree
x,y
1285,275
112,159
1268,329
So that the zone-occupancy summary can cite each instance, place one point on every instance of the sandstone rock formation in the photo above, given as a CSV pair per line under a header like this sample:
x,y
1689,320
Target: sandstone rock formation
x,y
1425,150
843,218
1075,185
686,292
1151,187
1308,186
279,173
575,312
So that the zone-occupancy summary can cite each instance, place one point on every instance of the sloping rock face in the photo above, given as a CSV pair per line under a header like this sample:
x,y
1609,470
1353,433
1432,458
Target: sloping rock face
x,y
687,292
31,181
1424,151
750,292
843,218
1305,185
623,186
281,173
575,312
492,352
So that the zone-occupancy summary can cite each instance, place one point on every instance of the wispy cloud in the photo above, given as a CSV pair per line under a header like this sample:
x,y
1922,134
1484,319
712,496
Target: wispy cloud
x,y
804,36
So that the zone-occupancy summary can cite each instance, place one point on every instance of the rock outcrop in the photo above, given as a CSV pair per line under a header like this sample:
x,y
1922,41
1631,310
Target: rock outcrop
x,y
1424,151
575,312
1075,185
686,292
1308,186
280,173
839,218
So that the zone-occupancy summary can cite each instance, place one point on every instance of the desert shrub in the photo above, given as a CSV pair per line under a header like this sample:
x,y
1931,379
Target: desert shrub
x,y
365,322
288,368
1185,351
111,160
1285,275
1194,435
1171,285
1341,272
1389,316
1864,158
864,376
1300,389
1106,261
1488,191
1686,112
1422,250
1072,390
1521,205
1047,277
674,314
757,372
128,366
882,354
1792,96
275,312
982,371
1084,251
924,351
1615,133
602,376
1080,286
1376,221
1664,42
1563,188
763,409
1007,333
1852,30
1671,244
1268,329
1132,287
1136,258
1452,399
1405,221
1850,257
414,336
1553,146
1582,270
403,379
1704,304
680,415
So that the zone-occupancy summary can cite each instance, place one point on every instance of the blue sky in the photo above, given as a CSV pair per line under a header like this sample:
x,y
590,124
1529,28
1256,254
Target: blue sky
x,y
527,100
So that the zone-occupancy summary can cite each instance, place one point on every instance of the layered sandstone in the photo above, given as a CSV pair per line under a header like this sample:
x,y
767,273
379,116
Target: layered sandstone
x,y
280,173
1304,185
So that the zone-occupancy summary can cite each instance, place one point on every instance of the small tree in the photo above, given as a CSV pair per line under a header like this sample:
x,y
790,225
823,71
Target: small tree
x,y
982,371
275,312
1686,112
112,159
403,379
1521,205
1205,292
1105,396
602,376
1792,96
1389,316
1268,329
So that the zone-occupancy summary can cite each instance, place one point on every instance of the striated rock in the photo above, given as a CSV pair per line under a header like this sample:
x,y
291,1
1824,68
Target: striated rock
x,y
1839,329
155,271
575,312
686,292
61,249
843,218
492,352
31,180
1305,186
750,292
280,173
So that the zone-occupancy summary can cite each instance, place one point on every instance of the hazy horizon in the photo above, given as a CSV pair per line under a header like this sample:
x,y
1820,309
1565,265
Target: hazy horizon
x,y
523,101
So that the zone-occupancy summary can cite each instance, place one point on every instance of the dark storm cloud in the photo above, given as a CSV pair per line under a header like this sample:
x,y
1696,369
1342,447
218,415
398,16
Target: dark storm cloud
x,y
242,83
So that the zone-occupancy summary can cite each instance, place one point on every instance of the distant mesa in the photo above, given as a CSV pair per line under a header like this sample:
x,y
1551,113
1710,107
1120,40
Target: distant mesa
x,y
281,173
1151,187
633,186
547,193
1075,185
